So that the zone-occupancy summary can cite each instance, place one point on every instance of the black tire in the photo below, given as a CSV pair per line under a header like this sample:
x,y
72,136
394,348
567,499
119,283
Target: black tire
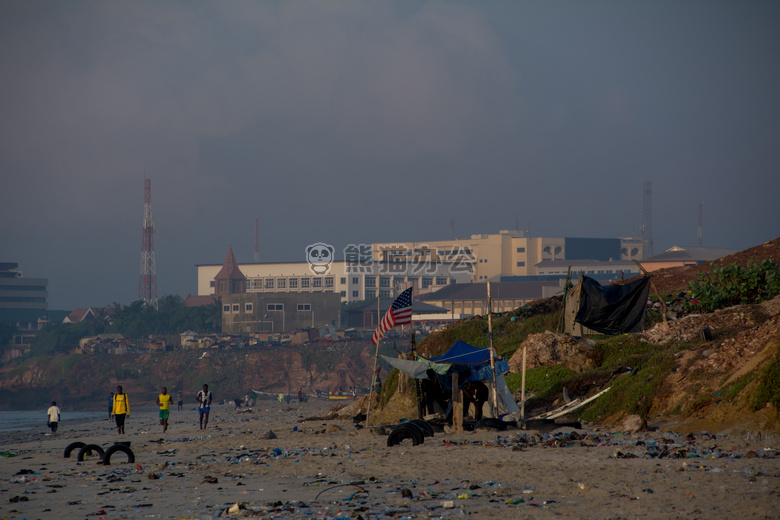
x,y
89,449
490,424
425,426
541,425
72,446
406,431
118,448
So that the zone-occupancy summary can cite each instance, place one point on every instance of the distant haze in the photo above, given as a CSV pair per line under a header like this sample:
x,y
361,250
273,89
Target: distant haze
x,y
374,121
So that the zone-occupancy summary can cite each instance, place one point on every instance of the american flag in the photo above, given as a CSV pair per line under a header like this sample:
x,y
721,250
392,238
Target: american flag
x,y
399,314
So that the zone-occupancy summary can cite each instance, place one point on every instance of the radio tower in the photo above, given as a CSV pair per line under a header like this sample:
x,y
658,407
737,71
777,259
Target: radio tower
x,y
147,282
257,240
647,216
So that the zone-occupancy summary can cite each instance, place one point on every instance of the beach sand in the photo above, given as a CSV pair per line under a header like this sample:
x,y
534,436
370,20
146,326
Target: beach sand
x,y
328,469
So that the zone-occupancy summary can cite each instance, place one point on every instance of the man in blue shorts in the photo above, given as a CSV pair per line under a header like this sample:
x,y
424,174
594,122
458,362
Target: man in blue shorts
x,y
204,406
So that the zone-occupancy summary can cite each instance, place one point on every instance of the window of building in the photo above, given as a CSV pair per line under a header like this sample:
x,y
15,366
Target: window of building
x,y
281,283
427,281
275,307
343,280
384,281
257,283
211,283
355,280
304,306
370,281
384,294
226,308
521,250
236,307
441,280
304,283
293,283
355,294
269,283
343,294
248,307
370,294
411,279
316,282
329,282
520,264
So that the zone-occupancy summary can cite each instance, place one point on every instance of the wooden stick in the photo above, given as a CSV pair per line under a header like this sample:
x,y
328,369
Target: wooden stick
x,y
654,288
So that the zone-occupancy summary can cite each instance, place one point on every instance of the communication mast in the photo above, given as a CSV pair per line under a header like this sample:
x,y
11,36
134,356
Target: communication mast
x,y
147,282
647,216
257,240
699,227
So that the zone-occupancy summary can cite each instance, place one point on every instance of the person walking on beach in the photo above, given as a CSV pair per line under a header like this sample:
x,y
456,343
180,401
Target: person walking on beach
x,y
110,405
164,402
54,418
181,401
120,410
204,406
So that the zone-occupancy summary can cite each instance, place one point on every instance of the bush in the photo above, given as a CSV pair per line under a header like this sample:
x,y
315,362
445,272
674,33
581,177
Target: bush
x,y
734,285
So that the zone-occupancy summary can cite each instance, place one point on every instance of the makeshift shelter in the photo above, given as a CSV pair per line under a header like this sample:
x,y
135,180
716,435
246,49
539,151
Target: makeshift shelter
x,y
611,309
471,364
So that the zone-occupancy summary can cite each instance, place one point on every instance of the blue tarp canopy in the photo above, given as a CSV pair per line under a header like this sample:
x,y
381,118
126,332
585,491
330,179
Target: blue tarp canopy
x,y
463,353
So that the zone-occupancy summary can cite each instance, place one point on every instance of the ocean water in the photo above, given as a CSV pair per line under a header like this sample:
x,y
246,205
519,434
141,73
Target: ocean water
x,y
30,420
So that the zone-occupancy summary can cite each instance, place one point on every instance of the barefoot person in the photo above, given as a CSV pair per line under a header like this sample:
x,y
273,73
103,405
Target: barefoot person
x,y
164,402
54,418
204,406
121,410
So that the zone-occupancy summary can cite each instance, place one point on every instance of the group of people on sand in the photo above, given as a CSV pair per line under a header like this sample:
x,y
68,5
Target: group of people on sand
x,y
119,409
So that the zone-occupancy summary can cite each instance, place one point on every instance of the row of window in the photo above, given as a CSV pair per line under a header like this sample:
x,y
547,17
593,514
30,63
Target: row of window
x,y
327,282
249,307
292,283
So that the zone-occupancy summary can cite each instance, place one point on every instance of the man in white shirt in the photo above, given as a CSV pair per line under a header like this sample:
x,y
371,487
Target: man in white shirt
x,y
204,406
54,418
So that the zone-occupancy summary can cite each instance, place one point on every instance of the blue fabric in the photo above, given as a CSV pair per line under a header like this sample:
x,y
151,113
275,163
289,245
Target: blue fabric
x,y
471,364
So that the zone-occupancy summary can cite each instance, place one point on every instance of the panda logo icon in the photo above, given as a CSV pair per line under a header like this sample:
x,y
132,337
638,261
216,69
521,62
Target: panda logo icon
x,y
319,256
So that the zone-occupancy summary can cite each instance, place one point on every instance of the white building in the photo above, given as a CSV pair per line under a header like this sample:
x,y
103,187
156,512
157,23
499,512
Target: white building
x,y
352,281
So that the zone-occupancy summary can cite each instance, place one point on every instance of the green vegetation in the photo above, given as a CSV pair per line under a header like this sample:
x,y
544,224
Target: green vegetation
x,y
135,321
734,285
768,386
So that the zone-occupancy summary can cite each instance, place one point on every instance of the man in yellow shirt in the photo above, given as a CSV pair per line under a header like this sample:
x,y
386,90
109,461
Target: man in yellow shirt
x,y
164,401
121,410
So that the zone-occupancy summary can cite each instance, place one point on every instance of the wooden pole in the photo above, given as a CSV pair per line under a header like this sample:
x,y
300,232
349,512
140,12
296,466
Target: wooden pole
x,y
376,358
457,406
492,353
522,391
655,290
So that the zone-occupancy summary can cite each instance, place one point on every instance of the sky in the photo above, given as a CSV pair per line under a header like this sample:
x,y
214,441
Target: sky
x,y
375,121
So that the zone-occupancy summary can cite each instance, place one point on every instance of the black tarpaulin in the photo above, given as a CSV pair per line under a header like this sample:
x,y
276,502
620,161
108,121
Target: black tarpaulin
x,y
613,309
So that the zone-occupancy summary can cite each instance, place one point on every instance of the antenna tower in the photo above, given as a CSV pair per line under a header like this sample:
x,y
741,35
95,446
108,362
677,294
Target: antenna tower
x,y
647,216
699,228
257,240
147,282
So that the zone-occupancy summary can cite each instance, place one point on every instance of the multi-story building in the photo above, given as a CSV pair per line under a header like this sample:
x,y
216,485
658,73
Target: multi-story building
x,y
24,303
509,253
350,281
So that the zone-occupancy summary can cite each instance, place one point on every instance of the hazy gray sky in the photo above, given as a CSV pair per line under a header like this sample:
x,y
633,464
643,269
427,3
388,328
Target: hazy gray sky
x,y
374,121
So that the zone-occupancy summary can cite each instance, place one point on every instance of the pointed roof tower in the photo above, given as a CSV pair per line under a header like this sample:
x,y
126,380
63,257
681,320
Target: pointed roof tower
x,y
229,279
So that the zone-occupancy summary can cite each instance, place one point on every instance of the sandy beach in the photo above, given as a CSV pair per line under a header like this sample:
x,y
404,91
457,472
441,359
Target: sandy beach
x,y
329,469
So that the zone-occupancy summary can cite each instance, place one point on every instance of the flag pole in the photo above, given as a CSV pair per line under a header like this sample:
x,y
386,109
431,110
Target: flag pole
x,y
376,358
413,355
492,352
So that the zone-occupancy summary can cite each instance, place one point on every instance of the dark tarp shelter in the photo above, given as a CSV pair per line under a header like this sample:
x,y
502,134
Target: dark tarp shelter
x,y
608,309
471,363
